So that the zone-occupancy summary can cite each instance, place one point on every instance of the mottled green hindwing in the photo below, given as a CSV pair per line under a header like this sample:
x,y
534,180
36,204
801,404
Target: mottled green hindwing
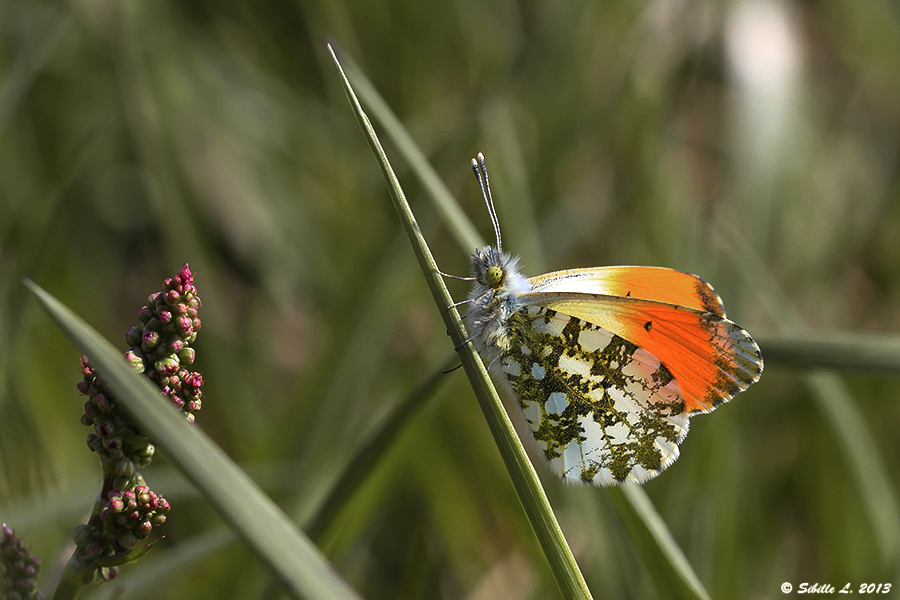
x,y
601,409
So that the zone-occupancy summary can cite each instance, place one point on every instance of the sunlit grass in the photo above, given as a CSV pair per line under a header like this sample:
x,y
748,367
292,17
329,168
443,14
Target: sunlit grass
x,y
136,137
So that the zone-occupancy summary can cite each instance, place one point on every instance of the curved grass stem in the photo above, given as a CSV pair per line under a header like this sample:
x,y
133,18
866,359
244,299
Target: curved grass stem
x,y
534,501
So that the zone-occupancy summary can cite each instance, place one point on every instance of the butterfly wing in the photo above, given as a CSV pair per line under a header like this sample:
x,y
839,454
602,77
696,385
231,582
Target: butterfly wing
x,y
647,283
601,409
711,358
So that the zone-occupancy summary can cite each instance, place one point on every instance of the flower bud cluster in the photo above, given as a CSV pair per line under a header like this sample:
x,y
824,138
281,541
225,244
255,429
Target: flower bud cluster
x,y
115,439
127,510
131,515
160,346
160,349
94,543
18,569
124,519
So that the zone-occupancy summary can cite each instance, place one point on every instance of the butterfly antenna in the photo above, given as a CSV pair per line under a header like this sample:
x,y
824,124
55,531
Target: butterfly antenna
x,y
480,169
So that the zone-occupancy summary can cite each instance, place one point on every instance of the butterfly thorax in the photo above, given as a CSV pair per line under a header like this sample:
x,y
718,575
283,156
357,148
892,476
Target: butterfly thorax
x,y
494,300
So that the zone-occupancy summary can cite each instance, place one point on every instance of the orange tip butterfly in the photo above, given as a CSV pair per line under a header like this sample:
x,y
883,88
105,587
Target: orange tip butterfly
x,y
608,364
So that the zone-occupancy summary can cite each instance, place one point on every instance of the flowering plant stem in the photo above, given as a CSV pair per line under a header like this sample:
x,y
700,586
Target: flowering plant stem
x,y
263,527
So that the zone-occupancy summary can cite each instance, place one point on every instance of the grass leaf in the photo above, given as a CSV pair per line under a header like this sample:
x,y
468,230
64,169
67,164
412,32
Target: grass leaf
x,y
537,508
671,572
836,350
865,462
466,234
300,566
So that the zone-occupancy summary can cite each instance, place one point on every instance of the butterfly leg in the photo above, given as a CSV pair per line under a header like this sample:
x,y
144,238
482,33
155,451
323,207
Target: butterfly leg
x,y
448,371
449,276
460,303
471,337
465,341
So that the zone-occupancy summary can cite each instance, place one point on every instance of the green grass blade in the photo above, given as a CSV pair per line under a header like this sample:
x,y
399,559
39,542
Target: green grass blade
x,y
838,350
671,572
368,455
864,461
531,494
299,565
459,224
866,464
143,580
364,460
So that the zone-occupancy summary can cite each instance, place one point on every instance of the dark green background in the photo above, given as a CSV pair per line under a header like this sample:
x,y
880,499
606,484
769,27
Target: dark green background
x,y
756,144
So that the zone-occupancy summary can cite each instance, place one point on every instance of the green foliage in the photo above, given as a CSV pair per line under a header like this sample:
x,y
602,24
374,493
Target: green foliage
x,y
227,489
135,137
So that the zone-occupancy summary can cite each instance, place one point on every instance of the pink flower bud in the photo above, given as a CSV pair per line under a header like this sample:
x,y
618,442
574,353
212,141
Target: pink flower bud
x,y
173,297
116,504
104,429
143,529
184,324
135,358
149,341
168,365
126,539
102,403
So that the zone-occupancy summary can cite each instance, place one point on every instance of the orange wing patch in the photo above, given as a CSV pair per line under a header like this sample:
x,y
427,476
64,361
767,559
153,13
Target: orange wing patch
x,y
711,358
647,283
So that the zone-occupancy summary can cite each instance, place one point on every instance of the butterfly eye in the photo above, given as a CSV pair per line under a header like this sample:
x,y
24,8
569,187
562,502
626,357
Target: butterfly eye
x,y
494,276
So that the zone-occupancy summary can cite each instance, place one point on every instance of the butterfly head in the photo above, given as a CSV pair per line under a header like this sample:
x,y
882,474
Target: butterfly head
x,y
489,267
496,275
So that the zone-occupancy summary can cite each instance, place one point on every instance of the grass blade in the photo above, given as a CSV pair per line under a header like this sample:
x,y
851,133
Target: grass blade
x,y
461,227
668,567
844,350
368,455
364,460
299,565
655,544
534,501
864,461
863,458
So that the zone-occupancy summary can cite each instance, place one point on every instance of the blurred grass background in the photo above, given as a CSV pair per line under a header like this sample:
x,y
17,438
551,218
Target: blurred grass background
x,y
697,135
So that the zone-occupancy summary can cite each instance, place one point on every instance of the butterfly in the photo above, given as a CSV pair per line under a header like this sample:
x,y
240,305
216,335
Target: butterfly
x,y
608,364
